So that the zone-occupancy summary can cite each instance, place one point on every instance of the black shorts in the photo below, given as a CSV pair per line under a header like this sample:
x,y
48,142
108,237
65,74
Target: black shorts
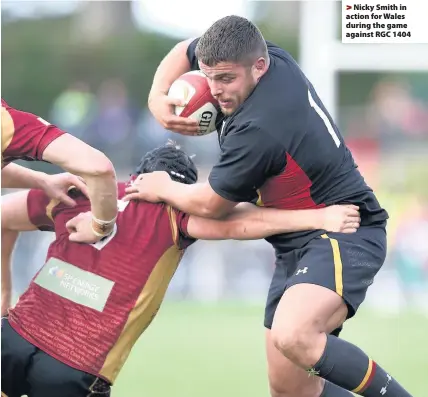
x,y
27,370
344,263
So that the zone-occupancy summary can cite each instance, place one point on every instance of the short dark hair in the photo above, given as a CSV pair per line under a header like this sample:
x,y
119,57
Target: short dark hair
x,y
172,159
231,39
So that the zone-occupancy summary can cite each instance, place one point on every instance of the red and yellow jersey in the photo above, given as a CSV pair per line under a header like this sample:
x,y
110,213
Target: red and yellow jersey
x,y
89,303
24,135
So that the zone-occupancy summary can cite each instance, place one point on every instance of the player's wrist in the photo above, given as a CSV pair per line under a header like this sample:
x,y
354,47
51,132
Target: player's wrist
x,y
164,188
41,180
320,217
102,228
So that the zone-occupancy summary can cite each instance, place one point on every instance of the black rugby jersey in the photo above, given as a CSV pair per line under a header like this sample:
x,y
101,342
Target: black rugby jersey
x,y
281,149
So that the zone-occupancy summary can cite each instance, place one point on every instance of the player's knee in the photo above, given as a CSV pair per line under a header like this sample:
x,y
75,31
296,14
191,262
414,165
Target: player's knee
x,y
288,340
295,343
280,387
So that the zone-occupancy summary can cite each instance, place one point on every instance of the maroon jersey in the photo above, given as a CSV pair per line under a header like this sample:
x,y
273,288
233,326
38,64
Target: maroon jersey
x,y
89,303
24,135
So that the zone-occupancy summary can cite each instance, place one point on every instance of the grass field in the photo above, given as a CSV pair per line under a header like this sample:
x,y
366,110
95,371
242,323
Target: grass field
x,y
218,350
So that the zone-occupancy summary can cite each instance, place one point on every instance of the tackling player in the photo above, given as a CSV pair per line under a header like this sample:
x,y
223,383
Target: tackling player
x,y
279,146
28,137
72,330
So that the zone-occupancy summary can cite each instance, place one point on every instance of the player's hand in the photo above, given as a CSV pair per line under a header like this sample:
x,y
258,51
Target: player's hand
x,y
56,187
80,229
149,187
341,218
162,108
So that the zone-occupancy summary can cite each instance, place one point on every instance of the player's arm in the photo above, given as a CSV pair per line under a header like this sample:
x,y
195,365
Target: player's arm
x,y
249,156
197,199
77,157
175,63
249,222
26,135
14,218
15,176
55,186
20,215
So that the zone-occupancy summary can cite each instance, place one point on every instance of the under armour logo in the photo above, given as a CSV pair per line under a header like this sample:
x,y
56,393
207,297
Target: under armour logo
x,y
384,389
304,270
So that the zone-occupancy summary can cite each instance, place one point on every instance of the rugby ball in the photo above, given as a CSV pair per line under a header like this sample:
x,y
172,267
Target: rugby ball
x,y
193,88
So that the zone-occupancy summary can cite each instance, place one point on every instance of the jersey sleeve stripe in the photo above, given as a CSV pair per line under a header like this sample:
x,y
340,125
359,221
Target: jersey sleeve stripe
x,y
173,223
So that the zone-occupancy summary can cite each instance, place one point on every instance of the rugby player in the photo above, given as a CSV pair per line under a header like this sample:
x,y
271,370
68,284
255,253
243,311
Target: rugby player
x,y
28,137
72,330
279,146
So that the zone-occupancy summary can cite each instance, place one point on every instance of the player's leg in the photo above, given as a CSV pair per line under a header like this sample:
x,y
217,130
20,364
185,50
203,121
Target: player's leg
x,y
51,378
286,379
317,292
16,355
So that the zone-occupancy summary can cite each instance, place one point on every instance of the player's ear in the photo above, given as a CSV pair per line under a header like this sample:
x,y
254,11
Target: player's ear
x,y
260,63
259,67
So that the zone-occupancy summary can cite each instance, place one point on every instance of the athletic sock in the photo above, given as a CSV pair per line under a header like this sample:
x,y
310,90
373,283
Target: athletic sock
x,y
332,390
347,366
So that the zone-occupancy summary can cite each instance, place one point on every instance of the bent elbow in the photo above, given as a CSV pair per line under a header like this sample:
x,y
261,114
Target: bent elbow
x,y
101,166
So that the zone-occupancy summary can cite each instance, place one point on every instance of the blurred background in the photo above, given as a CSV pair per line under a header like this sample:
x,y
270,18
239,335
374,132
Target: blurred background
x,y
88,66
